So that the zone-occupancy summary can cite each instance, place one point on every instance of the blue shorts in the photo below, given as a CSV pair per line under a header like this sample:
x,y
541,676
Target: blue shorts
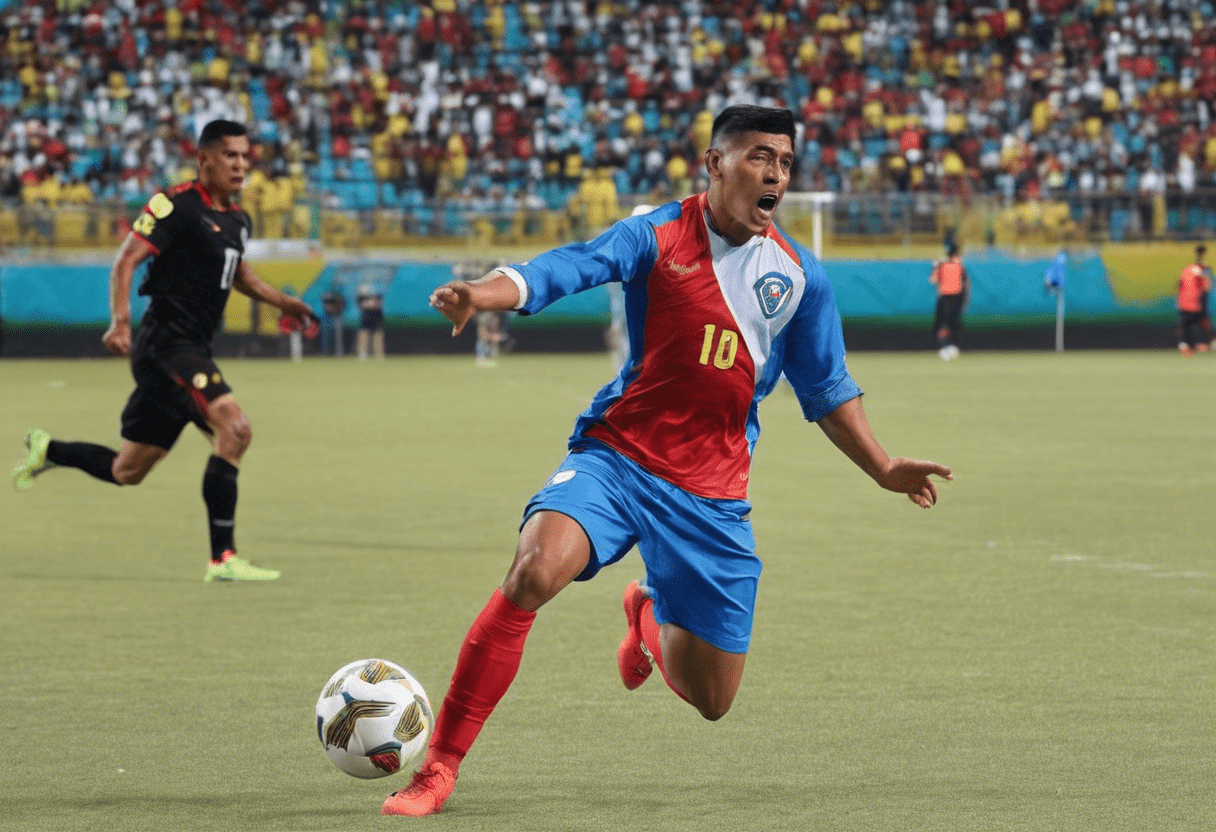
x,y
700,554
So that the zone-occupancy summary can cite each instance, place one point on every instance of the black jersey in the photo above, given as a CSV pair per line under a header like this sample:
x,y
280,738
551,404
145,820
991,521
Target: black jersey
x,y
197,249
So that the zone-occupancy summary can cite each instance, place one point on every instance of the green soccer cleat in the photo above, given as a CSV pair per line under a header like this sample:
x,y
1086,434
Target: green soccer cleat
x,y
35,463
232,568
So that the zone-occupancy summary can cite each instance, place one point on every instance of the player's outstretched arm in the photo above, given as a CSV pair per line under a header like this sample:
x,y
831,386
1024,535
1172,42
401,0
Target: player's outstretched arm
x,y
850,431
248,283
460,300
133,251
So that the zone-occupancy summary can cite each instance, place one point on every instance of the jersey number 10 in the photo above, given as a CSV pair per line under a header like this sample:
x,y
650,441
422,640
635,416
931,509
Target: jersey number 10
x,y
728,346
231,258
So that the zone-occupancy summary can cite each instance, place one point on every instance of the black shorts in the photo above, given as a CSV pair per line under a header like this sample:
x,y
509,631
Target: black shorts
x,y
1193,326
174,383
371,320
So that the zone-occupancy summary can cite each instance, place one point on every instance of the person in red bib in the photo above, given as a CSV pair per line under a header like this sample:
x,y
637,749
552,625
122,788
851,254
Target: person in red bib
x,y
953,289
1194,285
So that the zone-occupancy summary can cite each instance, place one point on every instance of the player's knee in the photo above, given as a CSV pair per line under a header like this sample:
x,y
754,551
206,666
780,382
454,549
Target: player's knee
x,y
128,474
713,708
238,435
531,583
711,700
243,433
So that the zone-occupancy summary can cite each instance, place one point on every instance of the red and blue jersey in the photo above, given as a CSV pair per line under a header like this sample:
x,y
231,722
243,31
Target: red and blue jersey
x,y
711,329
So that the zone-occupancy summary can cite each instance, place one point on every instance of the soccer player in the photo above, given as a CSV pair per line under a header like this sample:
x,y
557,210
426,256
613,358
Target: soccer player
x,y
953,289
719,303
195,234
1194,286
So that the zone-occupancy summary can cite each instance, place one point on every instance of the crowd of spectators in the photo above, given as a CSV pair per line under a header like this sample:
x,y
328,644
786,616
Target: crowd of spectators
x,y
524,102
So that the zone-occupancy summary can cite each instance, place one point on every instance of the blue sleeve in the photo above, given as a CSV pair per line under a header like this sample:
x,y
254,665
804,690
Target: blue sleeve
x,y
625,251
814,350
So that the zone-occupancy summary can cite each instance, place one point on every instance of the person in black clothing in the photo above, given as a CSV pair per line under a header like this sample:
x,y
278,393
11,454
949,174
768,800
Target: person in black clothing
x,y
371,322
333,307
195,234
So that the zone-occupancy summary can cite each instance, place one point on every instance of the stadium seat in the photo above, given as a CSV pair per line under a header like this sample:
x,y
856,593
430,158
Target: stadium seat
x,y
70,226
367,197
339,229
8,227
389,228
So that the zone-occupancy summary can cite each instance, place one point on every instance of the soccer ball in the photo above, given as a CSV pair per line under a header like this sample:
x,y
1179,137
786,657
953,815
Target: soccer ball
x,y
374,719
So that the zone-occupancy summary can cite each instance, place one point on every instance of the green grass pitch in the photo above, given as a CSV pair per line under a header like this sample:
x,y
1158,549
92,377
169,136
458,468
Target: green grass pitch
x,y
1036,653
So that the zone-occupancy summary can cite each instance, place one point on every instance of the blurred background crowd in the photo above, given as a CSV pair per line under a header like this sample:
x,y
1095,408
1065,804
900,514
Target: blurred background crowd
x,y
503,105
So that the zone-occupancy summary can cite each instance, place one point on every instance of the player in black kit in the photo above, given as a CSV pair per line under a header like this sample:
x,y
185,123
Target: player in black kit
x,y
195,234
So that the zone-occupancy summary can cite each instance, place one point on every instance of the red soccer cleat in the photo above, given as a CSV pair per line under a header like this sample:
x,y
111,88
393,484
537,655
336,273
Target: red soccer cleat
x,y
424,795
632,660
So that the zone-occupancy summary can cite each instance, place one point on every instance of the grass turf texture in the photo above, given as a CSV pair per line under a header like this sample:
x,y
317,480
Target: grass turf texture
x,y
1033,654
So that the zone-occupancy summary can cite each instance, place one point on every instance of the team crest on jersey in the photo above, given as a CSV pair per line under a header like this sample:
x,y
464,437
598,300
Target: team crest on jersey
x,y
773,290
143,224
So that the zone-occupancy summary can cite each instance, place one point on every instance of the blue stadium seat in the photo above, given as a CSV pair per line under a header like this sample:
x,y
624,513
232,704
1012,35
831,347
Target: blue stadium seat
x,y
366,196
875,147
514,38
453,219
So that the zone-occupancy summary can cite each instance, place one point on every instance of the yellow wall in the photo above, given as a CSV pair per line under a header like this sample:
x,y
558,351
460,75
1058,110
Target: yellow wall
x,y
1146,271
298,275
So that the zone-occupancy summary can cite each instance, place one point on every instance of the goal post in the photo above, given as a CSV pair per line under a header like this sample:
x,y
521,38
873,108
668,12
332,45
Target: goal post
x,y
813,203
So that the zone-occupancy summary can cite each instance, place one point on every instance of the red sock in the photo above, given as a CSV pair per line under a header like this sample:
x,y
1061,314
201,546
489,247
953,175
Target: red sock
x,y
488,661
650,637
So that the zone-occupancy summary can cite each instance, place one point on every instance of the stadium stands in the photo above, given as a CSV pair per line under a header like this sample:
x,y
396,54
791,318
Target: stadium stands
x,y
1077,116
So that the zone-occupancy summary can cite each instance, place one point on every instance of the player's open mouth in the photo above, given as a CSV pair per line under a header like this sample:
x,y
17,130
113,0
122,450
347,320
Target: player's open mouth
x,y
767,202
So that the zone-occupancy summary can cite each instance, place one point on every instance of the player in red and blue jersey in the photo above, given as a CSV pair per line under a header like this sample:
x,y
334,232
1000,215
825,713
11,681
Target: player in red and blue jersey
x,y
719,303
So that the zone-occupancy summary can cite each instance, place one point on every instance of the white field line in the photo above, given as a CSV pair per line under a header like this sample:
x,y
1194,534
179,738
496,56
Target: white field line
x,y
1147,569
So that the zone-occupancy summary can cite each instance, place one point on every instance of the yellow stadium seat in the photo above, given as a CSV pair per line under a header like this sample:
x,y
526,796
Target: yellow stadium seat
x,y
8,228
388,229
69,228
339,229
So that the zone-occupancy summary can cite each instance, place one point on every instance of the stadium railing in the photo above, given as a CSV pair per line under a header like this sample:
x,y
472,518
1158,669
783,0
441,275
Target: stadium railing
x,y
840,219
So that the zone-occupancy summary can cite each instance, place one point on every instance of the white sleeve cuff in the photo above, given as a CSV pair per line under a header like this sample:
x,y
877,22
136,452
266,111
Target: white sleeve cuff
x,y
520,284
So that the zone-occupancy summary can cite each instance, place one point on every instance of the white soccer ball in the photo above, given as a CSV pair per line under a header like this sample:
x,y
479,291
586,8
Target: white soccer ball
x,y
374,719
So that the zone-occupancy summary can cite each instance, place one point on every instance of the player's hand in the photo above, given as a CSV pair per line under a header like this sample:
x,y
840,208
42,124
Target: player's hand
x,y
455,302
118,338
911,477
300,312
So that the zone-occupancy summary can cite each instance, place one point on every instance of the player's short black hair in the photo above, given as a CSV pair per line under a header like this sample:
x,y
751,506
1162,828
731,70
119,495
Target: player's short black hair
x,y
213,131
749,118
1200,249
951,249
